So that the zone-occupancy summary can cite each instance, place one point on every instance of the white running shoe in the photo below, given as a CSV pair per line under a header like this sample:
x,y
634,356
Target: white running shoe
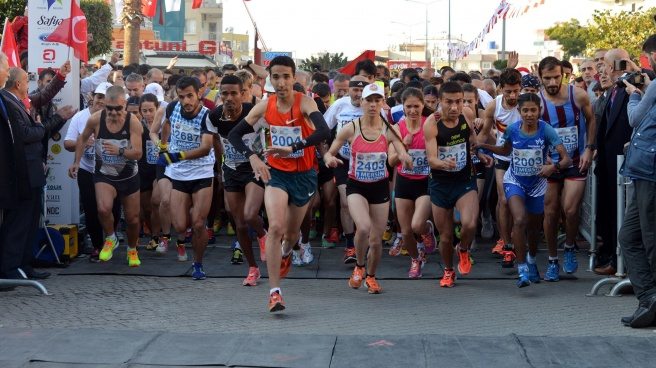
x,y
306,253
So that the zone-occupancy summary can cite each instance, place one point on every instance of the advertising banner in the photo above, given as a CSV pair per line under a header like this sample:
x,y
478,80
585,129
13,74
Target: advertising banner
x,y
403,64
62,198
269,55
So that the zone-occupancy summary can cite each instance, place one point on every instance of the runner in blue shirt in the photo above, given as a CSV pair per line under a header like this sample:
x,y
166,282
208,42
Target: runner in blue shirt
x,y
528,142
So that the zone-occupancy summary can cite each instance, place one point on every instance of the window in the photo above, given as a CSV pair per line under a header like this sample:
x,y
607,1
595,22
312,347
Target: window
x,y
487,65
190,26
212,27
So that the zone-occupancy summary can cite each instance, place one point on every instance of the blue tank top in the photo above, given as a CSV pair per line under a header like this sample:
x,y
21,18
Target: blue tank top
x,y
569,123
528,155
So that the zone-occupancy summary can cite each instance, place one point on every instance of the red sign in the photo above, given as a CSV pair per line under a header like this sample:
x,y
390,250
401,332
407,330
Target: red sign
x,y
205,47
403,64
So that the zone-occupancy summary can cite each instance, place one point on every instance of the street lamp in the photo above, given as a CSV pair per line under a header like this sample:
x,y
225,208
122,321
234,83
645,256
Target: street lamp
x,y
426,4
410,34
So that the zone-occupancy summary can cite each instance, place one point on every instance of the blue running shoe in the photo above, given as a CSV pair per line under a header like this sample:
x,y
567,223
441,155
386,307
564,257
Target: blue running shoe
x,y
524,280
197,272
533,273
570,264
553,272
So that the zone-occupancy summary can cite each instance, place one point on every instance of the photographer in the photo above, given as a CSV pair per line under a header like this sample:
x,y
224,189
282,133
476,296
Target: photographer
x,y
637,236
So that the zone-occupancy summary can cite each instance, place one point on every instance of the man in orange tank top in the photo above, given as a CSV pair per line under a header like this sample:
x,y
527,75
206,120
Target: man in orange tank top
x,y
295,127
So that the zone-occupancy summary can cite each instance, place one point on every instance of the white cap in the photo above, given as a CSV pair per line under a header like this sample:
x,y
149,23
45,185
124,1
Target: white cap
x,y
268,87
102,88
372,89
155,89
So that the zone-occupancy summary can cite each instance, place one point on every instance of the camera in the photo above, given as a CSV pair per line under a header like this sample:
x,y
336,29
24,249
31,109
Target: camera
x,y
635,78
619,65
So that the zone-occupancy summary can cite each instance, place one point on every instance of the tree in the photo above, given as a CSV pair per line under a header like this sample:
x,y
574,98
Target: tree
x,y
327,61
10,9
625,30
500,64
131,19
99,24
571,35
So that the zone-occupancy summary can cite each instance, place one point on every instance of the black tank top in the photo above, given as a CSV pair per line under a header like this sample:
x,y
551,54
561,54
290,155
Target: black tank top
x,y
149,153
454,143
114,167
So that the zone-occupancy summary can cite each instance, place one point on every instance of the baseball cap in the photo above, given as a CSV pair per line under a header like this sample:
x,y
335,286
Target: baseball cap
x,y
155,89
102,88
372,89
530,81
268,87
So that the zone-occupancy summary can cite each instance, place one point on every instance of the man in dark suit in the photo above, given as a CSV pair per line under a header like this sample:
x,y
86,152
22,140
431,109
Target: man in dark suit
x,y
14,185
612,134
27,223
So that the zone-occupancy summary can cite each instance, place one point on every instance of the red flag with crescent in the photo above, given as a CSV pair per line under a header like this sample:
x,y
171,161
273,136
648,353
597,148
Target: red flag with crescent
x,y
73,32
8,45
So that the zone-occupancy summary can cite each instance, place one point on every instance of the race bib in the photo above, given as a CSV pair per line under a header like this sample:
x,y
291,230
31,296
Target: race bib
x,y
419,163
152,153
108,158
231,154
527,162
345,151
570,138
187,137
90,152
457,152
285,137
370,167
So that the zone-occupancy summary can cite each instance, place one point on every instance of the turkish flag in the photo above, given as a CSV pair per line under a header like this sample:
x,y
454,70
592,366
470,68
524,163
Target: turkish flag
x,y
196,4
350,67
73,32
149,8
9,45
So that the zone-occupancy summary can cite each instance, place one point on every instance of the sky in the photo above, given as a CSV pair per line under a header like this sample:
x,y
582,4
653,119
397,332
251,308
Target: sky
x,y
307,27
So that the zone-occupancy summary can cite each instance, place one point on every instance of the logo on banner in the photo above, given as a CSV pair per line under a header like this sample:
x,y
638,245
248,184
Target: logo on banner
x,y
49,55
52,2
43,36
49,21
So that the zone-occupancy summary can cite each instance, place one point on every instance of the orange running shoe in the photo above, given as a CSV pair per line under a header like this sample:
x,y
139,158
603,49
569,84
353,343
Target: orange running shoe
x,y
449,278
349,255
372,285
262,242
356,277
253,276
508,254
285,265
276,303
498,247
464,265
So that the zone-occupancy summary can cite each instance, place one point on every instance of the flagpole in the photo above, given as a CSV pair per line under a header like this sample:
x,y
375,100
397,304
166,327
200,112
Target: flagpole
x,y
4,33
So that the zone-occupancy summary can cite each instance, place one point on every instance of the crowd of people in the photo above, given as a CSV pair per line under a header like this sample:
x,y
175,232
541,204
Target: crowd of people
x,y
425,161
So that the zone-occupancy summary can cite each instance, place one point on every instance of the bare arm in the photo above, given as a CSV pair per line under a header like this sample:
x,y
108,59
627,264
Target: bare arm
x,y
91,128
399,147
157,125
485,136
136,131
206,143
344,135
583,101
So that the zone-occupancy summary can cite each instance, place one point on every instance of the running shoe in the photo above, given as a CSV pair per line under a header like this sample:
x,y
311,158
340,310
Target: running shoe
x,y
333,235
306,253
211,238
133,258
498,247
327,243
372,285
108,249
182,252
523,280
349,255
387,234
216,226
276,303
237,256
93,257
355,281
163,246
416,265
487,229
253,276
152,244
553,272
197,272
285,265
403,252
297,260
508,254
458,231
570,264
533,273
188,235
449,278
395,249
230,230
464,263
429,240
262,242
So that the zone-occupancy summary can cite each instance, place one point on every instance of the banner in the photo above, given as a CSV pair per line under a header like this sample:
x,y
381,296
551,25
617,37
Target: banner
x,y
403,64
267,56
62,198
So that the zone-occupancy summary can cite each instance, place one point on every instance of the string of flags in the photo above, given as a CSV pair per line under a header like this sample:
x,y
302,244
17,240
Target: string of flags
x,y
505,10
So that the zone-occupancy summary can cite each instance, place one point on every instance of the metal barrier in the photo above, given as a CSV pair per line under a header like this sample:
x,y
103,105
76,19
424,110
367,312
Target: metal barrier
x,y
588,225
619,280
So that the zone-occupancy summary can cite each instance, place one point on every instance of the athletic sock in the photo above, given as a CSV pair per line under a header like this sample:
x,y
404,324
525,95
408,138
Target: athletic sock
x,y
349,240
359,266
553,258
569,246
530,259
113,237
273,290
167,236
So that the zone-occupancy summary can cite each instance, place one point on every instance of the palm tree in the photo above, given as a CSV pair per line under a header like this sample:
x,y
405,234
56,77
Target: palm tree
x,y
131,19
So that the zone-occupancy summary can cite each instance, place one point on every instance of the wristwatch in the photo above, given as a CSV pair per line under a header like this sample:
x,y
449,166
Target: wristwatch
x,y
121,151
592,147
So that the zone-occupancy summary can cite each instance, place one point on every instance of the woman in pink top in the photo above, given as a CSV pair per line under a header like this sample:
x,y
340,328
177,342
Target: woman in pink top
x,y
367,188
413,207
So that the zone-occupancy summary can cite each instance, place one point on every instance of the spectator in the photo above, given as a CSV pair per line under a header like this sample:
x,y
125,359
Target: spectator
x,y
229,69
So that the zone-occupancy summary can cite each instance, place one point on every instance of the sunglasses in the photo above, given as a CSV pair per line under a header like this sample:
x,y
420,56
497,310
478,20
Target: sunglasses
x,y
117,108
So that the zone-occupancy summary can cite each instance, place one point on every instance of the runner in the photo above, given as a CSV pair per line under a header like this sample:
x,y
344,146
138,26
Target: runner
x,y
295,127
499,114
569,112
148,105
368,185
411,198
339,114
118,147
189,164
452,185
525,183
244,193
